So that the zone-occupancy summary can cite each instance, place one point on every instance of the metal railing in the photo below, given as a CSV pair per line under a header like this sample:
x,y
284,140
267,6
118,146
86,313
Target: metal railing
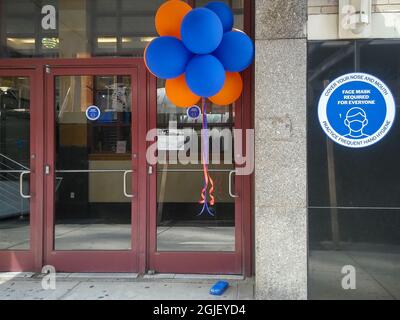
x,y
11,185
14,162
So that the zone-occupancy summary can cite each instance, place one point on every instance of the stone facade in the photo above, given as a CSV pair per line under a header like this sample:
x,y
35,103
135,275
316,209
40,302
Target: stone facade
x,y
281,170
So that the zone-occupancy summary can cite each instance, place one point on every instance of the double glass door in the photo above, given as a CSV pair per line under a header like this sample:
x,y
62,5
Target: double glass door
x,y
78,192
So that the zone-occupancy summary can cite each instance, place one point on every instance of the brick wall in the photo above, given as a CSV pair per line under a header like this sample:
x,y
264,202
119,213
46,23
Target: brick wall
x,y
316,7
323,20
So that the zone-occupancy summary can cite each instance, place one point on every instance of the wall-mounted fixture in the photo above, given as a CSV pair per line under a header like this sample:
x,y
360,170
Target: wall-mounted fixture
x,y
355,19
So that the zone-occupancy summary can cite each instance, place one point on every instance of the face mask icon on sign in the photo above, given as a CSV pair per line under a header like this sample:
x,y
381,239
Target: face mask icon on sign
x,y
356,121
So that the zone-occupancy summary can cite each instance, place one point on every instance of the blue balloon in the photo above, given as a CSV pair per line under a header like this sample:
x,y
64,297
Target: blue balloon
x,y
236,51
201,31
224,12
205,75
167,57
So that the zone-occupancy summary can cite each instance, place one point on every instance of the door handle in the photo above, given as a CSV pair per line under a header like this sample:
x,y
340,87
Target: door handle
x,y
21,183
126,194
231,193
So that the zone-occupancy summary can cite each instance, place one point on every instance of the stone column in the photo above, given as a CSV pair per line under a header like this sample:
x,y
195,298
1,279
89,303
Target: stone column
x,y
281,159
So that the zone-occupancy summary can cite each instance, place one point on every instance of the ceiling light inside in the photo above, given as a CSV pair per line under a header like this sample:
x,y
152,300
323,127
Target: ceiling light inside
x,y
50,43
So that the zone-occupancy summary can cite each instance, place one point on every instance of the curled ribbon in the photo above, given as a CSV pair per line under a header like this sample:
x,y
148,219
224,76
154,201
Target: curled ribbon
x,y
208,181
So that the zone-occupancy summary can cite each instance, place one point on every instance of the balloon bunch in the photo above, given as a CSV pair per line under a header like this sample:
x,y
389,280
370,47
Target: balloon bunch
x,y
200,55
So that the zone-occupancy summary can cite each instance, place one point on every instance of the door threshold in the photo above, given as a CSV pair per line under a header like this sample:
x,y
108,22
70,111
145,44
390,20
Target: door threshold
x,y
125,275
16,275
169,276
94,275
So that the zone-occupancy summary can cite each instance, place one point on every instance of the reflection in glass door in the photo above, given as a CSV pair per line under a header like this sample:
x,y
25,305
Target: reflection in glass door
x,y
91,210
14,162
92,170
185,239
180,226
16,175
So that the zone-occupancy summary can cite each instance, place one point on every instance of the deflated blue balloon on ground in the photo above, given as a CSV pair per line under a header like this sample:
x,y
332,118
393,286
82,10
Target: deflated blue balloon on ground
x,y
167,57
224,12
205,75
236,51
201,31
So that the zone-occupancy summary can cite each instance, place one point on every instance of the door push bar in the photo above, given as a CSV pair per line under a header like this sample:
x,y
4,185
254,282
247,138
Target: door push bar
x,y
21,184
231,193
126,194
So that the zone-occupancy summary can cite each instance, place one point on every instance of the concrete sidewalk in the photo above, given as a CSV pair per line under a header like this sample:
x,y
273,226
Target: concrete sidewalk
x,y
109,286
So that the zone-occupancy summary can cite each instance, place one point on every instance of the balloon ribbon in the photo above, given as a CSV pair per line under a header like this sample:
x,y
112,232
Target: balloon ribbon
x,y
208,188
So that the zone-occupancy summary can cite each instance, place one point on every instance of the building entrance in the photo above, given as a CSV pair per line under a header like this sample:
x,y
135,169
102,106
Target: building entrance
x,y
78,192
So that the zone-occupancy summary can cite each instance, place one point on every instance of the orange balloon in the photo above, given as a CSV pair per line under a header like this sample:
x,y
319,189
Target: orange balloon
x,y
169,18
231,91
179,93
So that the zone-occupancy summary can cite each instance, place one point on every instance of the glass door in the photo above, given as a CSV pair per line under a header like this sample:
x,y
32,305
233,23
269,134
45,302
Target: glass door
x,y
91,170
184,238
19,191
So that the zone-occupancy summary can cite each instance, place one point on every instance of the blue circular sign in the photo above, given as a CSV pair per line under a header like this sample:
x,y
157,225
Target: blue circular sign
x,y
194,112
356,110
93,113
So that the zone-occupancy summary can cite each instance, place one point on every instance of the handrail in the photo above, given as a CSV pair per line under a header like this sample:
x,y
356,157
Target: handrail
x,y
163,170
12,177
193,170
13,161
4,190
7,166
10,170
3,176
10,204
90,171
352,208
